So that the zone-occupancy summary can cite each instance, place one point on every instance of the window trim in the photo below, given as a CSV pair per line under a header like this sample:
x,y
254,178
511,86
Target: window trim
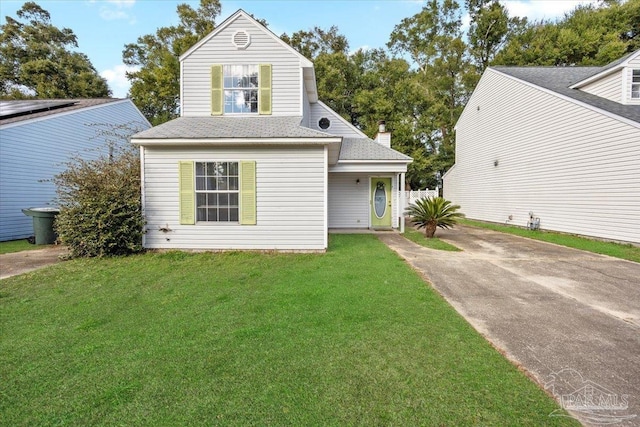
x,y
635,83
226,68
229,206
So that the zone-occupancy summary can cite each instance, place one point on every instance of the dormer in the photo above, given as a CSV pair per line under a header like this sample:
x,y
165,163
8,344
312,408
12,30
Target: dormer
x,y
242,69
618,81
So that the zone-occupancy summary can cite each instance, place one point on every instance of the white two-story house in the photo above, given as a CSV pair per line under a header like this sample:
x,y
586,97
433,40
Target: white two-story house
x,y
559,143
256,161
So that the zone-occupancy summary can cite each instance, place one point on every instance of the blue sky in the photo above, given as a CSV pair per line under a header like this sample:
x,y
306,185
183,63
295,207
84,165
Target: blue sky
x,y
104,27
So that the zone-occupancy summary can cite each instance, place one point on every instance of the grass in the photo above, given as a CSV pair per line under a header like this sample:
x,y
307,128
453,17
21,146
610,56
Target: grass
x,y
617,250
18,246
433,243
350,337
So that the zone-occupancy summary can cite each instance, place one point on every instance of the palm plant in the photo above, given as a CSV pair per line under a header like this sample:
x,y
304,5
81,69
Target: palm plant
x,y
432,212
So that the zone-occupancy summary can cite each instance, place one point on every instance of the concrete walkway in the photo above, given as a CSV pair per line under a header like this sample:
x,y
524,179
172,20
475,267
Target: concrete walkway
x,y
570,318
22,262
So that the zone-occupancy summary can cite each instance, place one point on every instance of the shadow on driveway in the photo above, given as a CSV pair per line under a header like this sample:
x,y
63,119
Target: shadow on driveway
x,y
570,318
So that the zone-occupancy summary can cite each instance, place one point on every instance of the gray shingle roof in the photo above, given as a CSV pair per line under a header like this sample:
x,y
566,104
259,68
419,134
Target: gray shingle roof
x,y
367,149
615,63
231,127
558,79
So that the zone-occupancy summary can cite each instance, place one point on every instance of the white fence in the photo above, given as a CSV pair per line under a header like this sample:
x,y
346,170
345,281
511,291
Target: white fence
x,y
413,195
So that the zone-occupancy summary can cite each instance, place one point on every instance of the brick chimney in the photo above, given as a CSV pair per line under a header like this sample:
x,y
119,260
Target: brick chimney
x,y
383,137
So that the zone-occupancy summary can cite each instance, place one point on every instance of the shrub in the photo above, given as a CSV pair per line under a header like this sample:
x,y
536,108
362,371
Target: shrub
x,y
100,205
432,212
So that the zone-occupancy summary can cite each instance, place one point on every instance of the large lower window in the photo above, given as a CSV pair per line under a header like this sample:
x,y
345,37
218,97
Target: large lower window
x,y
217,191
635,84
240,88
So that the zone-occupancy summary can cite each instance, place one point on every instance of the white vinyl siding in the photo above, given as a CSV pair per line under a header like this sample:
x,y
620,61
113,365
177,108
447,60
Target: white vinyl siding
x,y
575,168
306,109
289,200
338,126
263,49
609,87
33,151
348,200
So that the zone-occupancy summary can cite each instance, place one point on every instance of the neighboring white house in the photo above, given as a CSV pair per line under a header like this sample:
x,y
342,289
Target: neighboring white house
x,y
256,161
37,137
561,143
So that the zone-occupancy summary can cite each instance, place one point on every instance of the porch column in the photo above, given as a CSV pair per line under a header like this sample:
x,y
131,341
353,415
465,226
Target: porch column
x,y
402,200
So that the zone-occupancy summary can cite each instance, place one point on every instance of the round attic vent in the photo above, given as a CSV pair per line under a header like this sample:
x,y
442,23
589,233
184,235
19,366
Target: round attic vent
x,y
241,39
324,123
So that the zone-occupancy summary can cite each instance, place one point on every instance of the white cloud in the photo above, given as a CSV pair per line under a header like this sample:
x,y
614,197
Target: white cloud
x,y
117,79
536,10
117,9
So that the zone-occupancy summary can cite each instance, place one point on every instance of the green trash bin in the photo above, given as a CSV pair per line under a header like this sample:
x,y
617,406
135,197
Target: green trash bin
x,y
43,224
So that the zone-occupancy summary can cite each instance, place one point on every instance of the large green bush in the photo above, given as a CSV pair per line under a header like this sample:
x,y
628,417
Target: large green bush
x,y
100,205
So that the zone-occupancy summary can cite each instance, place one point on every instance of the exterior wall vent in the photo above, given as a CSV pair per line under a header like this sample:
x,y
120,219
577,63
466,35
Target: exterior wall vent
x,y
241,39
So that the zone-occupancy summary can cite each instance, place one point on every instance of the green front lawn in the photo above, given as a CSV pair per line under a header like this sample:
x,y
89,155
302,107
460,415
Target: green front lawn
x,y
617,250
350,337
419,237
18,246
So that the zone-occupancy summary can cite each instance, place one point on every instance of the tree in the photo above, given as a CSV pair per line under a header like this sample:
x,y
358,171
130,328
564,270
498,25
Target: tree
x,y
155,86
444,79
432,212
337,75
589,35
36,60
317,41
489,28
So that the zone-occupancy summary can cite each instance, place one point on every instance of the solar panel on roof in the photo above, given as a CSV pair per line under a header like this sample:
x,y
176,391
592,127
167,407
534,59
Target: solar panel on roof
x,y
10,109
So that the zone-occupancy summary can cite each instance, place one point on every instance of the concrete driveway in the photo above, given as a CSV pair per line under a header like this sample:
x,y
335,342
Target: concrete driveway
x,y
16,263
570,318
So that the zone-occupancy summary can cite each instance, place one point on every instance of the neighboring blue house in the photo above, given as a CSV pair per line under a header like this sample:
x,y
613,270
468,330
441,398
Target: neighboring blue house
x,y
37,137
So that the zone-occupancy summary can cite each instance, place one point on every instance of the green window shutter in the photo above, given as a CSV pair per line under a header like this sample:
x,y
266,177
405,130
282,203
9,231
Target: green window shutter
x,y
248,192
187,193
217,90
264,96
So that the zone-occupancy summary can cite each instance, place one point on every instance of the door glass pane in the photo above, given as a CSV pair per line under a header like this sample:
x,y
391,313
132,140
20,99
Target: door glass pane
x,y
380,199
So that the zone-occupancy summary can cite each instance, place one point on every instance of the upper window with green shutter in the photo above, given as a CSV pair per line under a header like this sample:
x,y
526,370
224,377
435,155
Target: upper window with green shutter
x,y
241,89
